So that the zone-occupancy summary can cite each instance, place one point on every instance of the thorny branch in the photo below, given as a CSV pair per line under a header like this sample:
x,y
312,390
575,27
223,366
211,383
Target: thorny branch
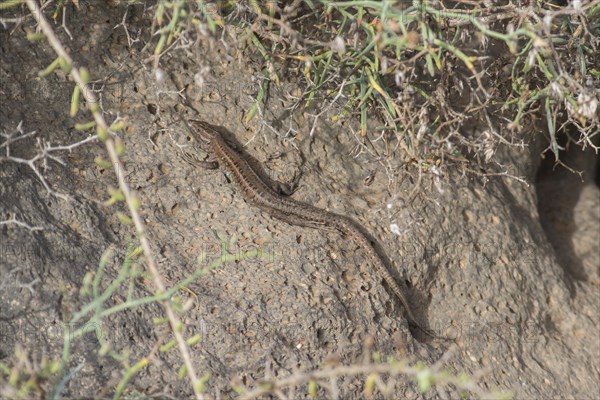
x,y
130,198
44,153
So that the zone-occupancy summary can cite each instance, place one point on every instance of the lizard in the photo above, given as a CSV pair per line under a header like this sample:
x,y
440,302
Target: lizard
x,y
288,210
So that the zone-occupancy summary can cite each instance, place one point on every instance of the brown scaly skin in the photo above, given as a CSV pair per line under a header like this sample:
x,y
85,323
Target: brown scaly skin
x,y
288,210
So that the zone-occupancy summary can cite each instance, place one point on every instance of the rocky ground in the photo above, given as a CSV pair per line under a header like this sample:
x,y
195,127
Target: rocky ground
x,y
510,269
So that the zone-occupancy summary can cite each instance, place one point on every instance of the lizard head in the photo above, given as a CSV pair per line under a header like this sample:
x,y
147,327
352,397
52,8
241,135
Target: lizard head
x,y
203,130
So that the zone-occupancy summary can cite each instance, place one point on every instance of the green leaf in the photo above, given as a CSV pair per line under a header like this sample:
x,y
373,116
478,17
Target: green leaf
x,y
166,347
124,218
50,68
5,5
85,126
75,101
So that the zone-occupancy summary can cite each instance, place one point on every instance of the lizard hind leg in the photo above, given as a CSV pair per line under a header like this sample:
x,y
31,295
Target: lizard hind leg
x,y
289,188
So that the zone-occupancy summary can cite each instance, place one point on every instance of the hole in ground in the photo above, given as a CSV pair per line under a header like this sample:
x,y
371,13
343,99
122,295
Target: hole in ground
x,y
568,207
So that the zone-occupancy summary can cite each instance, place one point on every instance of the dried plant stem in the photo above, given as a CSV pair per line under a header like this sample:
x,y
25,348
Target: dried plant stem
x,y
130,198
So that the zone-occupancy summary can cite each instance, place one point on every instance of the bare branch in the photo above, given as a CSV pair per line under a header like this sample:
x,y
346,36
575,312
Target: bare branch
x,y
44,153
130,199
18,284
13,220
